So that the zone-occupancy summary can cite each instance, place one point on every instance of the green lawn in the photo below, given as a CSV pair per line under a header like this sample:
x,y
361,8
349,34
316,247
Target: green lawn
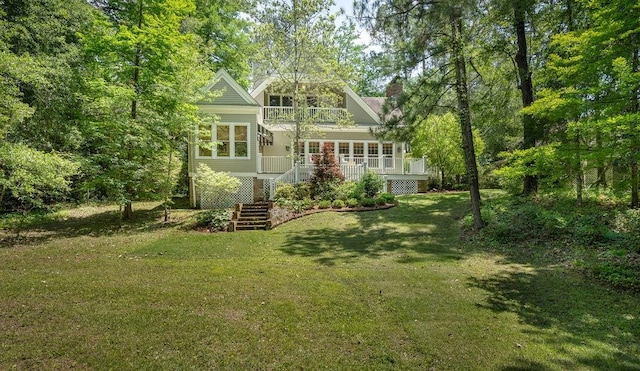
x,y
392,289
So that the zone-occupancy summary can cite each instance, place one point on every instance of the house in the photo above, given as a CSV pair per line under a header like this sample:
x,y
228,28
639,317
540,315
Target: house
x,y
250,139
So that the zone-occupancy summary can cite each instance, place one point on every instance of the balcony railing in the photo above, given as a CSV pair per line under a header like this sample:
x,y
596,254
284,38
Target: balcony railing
x,y
382,165
319,114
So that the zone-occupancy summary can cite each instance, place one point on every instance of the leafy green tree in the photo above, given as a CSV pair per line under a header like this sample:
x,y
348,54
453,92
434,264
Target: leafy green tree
x,y
438,138
296,43
30,179
145,74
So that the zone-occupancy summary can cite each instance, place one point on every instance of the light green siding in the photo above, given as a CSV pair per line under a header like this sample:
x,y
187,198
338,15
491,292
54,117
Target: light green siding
x,y
359,115
229,96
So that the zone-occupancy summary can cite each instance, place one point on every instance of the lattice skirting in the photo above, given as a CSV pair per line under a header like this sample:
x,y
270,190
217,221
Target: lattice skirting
x,y
211,200
404,186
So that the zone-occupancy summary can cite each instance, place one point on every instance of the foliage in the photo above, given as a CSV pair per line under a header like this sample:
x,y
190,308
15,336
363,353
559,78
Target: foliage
x,y
600,231
368,202
371,184
544,162
337,204
347,190
285,191
324,204
387,197
214,220
326,174
439,139
32,179
297,44
220,185
352,202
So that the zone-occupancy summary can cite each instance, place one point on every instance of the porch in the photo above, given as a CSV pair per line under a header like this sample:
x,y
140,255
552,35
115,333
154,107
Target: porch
x,y
383,165
319,114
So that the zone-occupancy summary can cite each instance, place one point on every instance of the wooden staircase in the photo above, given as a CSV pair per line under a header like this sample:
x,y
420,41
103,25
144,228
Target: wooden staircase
x,y
251,217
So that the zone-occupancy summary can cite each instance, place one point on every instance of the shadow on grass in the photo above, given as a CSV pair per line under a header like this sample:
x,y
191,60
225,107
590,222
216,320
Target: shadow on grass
x,y
146,218
413,231
591,326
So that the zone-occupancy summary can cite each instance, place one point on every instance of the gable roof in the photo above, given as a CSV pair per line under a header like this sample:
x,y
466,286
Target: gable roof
x,y
350,93
233,93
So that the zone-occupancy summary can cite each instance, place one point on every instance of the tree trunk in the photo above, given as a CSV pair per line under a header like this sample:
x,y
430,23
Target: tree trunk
x,y
579,173
465,117
128,209
167,191
442,179
526,89
635,145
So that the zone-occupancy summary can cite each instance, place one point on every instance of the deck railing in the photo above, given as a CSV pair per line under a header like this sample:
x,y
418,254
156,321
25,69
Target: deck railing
x,y
319,114
382,165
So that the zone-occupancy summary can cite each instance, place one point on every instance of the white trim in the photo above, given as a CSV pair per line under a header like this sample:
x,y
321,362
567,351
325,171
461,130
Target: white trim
x,y
212,108
232,142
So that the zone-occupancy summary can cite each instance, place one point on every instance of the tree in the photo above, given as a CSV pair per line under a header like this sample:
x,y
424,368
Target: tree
x,y
296,42
326,172
217,184
438,138
145,73
429,37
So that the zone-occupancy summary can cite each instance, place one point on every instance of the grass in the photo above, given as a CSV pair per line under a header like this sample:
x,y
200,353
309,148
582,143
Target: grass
x,y
392,289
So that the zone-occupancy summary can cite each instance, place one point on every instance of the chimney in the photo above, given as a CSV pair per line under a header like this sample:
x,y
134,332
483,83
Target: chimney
x,y
394,88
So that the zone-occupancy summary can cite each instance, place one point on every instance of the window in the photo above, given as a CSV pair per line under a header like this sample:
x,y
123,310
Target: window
x,y
276,100
387,149
229,141
358,149
343,148
314,147
372,149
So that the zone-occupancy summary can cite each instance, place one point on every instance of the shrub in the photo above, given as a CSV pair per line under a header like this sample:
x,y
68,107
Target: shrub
x,y
308,203
368,202
352,202
219,185
388,198
214,220
337,204
285,191
326,174
302,190
347,190
325,191
324,204
380,201
371,184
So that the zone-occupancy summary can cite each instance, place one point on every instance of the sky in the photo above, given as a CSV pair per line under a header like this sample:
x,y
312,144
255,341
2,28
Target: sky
x,y
347,5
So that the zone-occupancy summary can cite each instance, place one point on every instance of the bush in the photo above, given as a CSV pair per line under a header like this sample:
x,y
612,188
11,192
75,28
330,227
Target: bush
x,y
347,190
380,201
302,190
371,184
352,202
285,191
337,204
368,202
214,220
308,203
324,204
326,191
388,198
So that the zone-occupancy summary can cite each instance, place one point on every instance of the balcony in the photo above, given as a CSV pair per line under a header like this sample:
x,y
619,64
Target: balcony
x,y
383,165
319,114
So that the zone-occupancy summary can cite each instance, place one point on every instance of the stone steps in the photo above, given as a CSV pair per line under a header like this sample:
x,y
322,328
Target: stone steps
x,y
251,217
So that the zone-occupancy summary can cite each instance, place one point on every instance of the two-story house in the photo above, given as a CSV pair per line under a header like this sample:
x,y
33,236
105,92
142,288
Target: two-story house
x,y
249,140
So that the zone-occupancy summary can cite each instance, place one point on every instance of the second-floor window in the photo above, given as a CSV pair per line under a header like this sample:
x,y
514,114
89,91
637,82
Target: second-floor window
x,y
277,100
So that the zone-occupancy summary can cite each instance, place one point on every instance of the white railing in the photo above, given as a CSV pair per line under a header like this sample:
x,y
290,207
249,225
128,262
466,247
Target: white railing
x,y
319,114
276,164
